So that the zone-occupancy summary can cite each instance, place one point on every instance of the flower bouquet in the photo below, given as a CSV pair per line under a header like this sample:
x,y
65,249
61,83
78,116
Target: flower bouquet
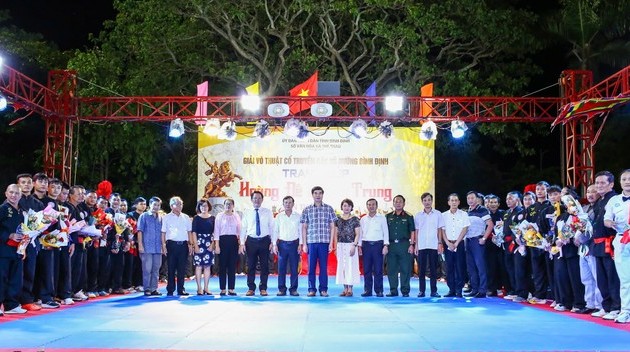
x,y
34,224
531,236
51,239
573,206
574,227
498,238
120,225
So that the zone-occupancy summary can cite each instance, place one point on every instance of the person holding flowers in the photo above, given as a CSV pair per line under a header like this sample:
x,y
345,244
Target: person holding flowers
x,y
617,217
10,261
567,265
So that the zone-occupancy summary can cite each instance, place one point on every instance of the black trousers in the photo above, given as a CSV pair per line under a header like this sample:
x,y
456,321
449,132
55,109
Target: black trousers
x,y
570,286
93,256
228,258
78,266
608,283
117,261
104,268
257,250
127,276
63,272
28,277
11,276
372,266
176,257
427,257
44,285
539,271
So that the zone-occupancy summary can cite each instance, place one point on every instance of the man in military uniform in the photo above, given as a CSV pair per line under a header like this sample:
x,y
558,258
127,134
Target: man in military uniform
x,y
401,232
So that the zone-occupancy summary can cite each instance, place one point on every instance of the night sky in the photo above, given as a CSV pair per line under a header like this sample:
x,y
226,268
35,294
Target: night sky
x,y
67,23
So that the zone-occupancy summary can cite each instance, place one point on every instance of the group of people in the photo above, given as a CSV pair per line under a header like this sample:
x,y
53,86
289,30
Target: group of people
x,y
580,275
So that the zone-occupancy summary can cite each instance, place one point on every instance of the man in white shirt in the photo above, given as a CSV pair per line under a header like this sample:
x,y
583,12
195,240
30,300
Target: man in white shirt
x,y
257,239
429,227
177,244
456,225
617,217
288,230
373,245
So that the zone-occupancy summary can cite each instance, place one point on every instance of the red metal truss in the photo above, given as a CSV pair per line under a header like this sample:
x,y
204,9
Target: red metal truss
x,y
468,109
26,93
614,86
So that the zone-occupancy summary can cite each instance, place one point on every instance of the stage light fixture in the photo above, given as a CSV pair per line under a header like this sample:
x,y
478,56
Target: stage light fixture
x,y
386,129
428,131
176,128
278,110
3,102
321,110
212,127
458,128
303,133
358,128
292,128
262,129
228,131
394,103
250,103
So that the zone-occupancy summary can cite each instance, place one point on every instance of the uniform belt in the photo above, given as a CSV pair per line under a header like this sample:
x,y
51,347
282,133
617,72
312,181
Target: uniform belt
x,y
177,242
373,242
283,241
474,238
250,238
401,240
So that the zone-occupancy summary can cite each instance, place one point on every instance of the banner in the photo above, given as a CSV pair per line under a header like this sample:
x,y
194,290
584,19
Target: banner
x,y
358,169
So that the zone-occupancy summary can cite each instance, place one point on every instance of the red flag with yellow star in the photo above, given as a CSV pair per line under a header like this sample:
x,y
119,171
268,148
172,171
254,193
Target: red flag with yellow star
x,y
307,88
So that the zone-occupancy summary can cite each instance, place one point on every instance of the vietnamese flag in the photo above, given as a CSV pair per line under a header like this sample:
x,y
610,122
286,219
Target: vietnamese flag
x,y
307,88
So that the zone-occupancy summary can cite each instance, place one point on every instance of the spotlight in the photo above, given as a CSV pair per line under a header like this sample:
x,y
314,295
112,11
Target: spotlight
x,y
212,127
386,129
278,110
358,128
262,129
303,130
250,102
3,100
458,128
321,110
394,103
428,131
176,129
227,131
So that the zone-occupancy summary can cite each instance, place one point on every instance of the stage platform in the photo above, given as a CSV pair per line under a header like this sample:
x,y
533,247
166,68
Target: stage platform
x,y
212,323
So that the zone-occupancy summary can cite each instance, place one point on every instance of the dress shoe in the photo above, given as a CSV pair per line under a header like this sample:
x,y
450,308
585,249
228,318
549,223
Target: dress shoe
x,y
471,294
199,293
450,294
379,294
581,311
491,294
207,293
169,294
324,293
343,294
458,295
156,293
264,293
249,293
232,293
436,295
479,295
392,294
421,294
405,295
311,294
183,293
366,294
222,293
348,294
294,293
281,293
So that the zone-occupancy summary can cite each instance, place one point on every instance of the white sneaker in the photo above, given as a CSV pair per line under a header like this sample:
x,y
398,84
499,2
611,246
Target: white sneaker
x,y
600,313
92,295
139,289
67,302
16,310
510,297
623,317
574,309
38,302
51,305
80,296
559,308
553,304
611,315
